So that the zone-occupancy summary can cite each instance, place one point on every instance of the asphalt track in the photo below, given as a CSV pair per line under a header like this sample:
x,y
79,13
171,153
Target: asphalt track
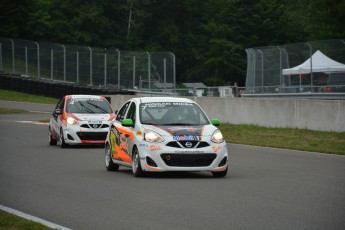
x,y
266,188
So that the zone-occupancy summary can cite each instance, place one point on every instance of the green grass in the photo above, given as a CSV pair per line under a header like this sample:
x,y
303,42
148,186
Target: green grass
x,y
297,139
8,95
13,222
10,111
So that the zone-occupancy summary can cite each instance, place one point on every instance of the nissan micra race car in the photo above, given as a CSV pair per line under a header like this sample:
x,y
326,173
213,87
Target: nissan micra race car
x,y
155,134
80,119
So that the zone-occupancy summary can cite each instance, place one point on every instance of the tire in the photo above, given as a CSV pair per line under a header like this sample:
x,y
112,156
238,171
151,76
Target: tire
x,y
109,164
51,139
62,140
136,166
220,173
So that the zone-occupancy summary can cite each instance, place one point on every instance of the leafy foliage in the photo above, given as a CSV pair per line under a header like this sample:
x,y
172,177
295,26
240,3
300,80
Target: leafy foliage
x,y
208,37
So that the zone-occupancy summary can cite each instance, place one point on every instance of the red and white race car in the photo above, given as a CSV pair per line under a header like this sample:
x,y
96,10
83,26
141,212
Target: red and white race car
x,y
80,119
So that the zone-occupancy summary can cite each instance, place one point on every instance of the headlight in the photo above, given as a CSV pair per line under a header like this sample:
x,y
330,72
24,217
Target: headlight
x,y
151,136
71,121
217,137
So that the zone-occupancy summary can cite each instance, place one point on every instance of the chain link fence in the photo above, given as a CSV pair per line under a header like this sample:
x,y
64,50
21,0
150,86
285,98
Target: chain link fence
x,y
268,69
107,68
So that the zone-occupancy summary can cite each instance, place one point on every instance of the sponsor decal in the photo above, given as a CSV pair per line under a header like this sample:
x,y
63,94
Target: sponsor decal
x,y
94,122
189,151
139,133
143,145
155,148
164,104
216,148
187,138
113,144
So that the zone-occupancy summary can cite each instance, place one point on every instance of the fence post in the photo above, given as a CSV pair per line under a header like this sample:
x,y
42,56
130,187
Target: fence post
x,y
254,82
133,72
1,57
26,60
149,68
105,70
281,78
262,71
38,59
90,65
311,66
118,68
165,74
77,67
174,71
13,59
51,64
64,62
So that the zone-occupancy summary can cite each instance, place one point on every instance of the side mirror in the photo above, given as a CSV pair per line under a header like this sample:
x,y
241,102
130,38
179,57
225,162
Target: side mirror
x,y
215,122
127,123
57,111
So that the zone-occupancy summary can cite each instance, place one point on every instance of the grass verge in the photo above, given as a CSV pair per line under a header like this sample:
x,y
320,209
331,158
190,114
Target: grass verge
x,y
8,95
297,139
10,221
11,111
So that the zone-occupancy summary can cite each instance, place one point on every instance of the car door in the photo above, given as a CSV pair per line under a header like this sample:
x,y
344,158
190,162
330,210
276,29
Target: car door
x,y
55,119
130,131
119,136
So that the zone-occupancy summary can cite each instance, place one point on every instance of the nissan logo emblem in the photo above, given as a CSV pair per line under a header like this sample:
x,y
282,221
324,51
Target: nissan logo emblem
x,y
189,144
95,126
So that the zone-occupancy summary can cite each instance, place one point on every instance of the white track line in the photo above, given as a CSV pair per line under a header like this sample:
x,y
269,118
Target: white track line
x,y
33,218
34,122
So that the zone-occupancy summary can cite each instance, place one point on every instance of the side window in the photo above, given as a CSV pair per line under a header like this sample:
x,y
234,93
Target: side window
x,y
121,114
131,112
60,104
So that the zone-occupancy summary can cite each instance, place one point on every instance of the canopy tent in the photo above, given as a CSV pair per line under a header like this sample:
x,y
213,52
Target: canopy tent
x,y
317,63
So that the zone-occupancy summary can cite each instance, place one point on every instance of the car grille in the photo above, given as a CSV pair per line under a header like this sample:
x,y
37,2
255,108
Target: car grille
x,y
187,144
188,160
88,136
94,126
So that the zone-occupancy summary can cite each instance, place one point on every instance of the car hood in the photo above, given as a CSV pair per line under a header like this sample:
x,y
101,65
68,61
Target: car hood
x,y
92,117
183,130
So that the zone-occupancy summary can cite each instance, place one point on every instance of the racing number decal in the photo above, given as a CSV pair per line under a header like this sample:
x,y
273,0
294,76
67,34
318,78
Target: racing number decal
x,y
113,143
119,138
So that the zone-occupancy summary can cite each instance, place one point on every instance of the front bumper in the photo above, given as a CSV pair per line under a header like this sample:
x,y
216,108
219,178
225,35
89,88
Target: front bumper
x,y
159,157
78,135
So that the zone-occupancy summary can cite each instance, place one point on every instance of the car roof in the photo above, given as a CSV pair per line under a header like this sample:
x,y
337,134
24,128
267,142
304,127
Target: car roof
x,y
162,99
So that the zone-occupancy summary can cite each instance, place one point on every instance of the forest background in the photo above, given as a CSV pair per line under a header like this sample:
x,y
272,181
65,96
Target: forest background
x,y
208,37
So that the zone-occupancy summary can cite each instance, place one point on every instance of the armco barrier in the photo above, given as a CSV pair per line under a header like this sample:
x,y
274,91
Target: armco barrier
x,y
55,89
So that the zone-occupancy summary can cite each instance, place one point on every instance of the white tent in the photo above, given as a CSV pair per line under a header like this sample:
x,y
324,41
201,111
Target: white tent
x,y
319,62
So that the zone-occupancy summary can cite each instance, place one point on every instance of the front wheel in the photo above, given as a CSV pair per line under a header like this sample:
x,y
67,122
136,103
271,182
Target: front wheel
x,y
220,173
51,139
136,166
62,140
109,164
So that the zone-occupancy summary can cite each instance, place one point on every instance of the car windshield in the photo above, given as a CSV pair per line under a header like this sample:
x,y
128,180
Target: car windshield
x,y
87,105
172,113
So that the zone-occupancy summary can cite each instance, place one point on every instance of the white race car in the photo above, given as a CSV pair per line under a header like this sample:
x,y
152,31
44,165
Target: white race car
x,y
80,119
165,134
